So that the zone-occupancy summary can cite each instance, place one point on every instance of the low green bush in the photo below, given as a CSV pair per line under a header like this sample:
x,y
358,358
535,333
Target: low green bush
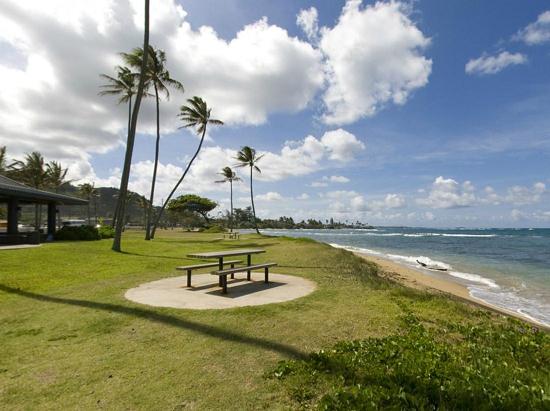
x,y
214,229
106,231
82,233
493,367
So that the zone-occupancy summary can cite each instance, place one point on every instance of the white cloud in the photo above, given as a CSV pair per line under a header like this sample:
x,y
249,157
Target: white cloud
x,y
270,196
337,179
373,57
520,195
49,102
517,215
487,64
537,32
303,196
448,193
318,184
307,20
342,145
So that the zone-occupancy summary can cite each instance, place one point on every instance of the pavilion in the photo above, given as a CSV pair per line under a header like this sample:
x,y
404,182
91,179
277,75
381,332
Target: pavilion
x,y
16,194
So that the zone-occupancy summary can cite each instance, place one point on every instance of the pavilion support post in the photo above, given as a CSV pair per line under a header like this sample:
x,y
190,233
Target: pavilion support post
x,y
13,216
51,220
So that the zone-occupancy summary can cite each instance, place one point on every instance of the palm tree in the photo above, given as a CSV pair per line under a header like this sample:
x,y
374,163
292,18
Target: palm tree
x,y
131,138
247,158
56,175
124,85
159,77
31,171
87,191
196,115
229,176
3,163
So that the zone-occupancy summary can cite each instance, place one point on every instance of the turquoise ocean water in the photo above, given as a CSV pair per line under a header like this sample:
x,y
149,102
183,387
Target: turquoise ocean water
x,y
508,268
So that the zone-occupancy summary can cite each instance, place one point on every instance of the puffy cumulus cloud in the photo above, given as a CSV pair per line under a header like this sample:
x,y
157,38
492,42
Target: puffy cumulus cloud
x,y
537,32
307,20
373,57
270,196
342,145
517,215
390,201
487,64
303,196
448,193
49,101
305,156
349,201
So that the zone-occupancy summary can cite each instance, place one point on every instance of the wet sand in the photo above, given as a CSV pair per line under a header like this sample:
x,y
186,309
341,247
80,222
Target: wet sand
x,y
434,283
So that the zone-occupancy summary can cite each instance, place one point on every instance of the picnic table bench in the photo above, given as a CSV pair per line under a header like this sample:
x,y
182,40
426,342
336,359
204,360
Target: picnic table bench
x,y
190,268
233,235
220,255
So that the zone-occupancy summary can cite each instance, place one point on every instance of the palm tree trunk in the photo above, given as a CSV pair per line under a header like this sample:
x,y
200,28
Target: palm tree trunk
x,y
153,182
252,200
157,219
131,138
231,214
117,206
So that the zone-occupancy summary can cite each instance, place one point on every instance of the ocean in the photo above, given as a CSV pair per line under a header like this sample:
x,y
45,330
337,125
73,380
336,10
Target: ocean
x,y
507,268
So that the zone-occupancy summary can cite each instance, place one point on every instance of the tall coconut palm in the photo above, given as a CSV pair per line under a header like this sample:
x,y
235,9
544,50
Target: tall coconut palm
x,y
196,115
159,78
87,191
131,138
229,176
247,158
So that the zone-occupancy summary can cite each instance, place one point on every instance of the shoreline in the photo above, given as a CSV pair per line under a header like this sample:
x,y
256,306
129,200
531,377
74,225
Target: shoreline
x,y
417,279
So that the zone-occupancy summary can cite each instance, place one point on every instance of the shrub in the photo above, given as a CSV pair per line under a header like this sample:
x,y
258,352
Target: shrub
x,y
489,367
82,233
214,229
106,231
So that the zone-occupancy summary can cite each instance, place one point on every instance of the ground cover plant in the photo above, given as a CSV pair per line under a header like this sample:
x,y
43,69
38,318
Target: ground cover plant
x,y
69,339
452,366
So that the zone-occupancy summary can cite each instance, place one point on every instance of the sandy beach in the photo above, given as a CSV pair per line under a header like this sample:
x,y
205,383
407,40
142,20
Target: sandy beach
x,y
434,283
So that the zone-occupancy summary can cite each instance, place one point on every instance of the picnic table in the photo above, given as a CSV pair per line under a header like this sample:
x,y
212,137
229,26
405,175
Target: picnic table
x,y
220,255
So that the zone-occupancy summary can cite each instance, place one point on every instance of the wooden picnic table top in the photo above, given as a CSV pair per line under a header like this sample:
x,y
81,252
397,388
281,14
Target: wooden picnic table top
x,y
227,253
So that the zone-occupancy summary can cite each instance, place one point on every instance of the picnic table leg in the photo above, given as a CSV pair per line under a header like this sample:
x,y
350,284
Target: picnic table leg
x,y
266,270
220,267
232,274
188,278
249,263
224,282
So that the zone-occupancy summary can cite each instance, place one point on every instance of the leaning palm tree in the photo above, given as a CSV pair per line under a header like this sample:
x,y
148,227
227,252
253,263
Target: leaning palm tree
x,y
247,158
131,138
196,115
229,176
159,78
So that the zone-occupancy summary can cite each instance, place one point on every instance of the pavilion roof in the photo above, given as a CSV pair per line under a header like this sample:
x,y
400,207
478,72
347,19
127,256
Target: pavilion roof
x,y
11,189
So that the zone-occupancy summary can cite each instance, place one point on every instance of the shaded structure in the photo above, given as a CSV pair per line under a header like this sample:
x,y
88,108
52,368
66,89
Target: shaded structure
x,y
15,194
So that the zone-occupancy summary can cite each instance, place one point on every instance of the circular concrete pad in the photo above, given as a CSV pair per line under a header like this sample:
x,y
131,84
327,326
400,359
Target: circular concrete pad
x,y
206,294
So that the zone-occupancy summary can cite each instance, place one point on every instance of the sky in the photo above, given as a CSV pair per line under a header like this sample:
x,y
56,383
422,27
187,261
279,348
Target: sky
x,y
417,113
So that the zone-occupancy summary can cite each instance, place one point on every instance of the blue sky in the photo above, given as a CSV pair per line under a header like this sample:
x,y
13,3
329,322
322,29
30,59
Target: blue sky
x,y
449,103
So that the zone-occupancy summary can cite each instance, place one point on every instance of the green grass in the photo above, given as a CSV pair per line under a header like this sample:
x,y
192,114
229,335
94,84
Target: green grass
x,y
69,339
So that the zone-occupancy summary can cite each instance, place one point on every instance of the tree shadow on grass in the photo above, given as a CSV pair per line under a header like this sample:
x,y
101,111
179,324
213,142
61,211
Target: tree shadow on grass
x,y
166,319
153,256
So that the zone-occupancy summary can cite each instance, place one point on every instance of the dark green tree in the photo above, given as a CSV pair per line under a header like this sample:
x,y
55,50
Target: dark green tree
x,y
193,203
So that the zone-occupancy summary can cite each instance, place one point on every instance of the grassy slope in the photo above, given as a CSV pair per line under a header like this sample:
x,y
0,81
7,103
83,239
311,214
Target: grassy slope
x,y
69,339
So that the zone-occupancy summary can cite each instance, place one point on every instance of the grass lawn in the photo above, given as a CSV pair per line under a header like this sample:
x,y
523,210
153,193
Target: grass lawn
x,y
69,339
